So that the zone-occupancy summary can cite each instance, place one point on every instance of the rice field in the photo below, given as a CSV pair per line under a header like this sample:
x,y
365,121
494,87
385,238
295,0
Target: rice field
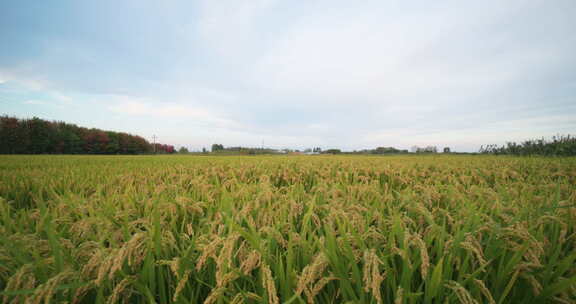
x,y
287,229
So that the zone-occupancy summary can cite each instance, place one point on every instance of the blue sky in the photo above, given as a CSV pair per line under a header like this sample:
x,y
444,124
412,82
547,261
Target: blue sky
x,y
346,74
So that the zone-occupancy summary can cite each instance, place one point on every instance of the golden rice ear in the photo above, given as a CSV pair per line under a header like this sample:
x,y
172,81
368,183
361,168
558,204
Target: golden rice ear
x,y
269,285
425,259
310,274
45,292
81,292
251,262
224,260
472,245
321,283
181,284
208,250
399,296
485,291
24,279
119,289
463,295
536,286
372,276
214,295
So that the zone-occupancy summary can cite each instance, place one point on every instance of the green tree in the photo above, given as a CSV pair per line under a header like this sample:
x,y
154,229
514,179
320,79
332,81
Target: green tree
x,y
332,151
217,147
40,136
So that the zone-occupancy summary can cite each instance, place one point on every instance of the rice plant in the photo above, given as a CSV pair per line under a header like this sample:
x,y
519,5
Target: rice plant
x,y
287,229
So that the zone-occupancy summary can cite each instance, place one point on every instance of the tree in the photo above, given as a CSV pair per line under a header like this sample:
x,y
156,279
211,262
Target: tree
x,y
14,136
333,151
561,145
217,147
447,150
96,141
113,145
183,150
70,141
40,136
37,136
387,150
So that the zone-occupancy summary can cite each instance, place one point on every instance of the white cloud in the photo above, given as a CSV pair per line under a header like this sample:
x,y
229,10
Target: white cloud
x,y
3,77
24,75
61,98
54,99
229,27
372,58
165,110
139,107
34,102
320,73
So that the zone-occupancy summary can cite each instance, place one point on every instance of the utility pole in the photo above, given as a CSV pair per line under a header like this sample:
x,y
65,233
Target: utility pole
x,y
154,142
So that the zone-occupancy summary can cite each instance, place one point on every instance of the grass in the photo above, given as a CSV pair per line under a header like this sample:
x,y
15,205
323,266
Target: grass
x,y
287,229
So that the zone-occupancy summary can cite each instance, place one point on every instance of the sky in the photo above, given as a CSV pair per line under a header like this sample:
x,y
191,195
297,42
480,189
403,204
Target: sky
x,y
295,74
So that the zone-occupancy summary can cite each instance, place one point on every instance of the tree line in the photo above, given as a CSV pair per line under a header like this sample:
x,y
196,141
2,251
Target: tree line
x,y
220,149
38,136
562,145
